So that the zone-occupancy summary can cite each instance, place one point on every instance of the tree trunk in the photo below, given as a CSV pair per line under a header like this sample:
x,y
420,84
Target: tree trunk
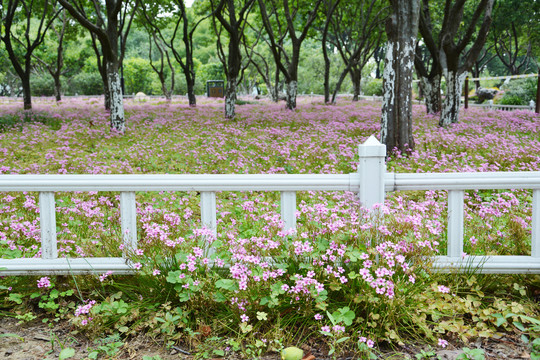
x,y
230,98
396,120
107,96
118,122
356,77
292,89
338,85
326,80
27,95
452,100
431,90
106,92
191,92
271,91
275,96
326,73
57,87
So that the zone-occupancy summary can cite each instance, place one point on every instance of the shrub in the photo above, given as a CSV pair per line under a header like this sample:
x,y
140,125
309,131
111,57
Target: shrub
x,y
10,120
373,87
512,100
85,83
138,75
519,92
42,85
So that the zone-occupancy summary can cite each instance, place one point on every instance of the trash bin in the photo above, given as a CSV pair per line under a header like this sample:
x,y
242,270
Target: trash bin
x,y
214,88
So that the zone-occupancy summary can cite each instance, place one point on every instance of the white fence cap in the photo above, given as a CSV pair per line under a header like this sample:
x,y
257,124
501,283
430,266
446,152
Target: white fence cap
x,y
372,147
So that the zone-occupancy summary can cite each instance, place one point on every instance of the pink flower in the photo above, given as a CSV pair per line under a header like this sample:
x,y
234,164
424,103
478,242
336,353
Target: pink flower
x,y
156,272
443,343
370,343
244,318
362,339
318,317
102,277
44,282
338,329
443,289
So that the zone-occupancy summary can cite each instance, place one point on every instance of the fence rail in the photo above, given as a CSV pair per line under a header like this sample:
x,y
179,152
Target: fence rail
x,y
370,183
492,106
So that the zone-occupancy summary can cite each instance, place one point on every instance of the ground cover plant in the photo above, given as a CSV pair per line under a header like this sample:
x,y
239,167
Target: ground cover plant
x,y
343,281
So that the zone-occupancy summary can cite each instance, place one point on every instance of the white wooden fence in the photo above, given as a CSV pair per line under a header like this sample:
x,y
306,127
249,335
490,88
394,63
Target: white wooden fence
x,y
370,182
490,105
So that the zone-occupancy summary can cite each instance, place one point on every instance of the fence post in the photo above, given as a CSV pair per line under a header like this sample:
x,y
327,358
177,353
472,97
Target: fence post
x,y
532,105
490,107
208,217
288,209
535,234
371,170
128,221
47,220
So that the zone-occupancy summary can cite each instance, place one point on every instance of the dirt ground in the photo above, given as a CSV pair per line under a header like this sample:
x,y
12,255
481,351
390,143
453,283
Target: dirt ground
x,y
36,341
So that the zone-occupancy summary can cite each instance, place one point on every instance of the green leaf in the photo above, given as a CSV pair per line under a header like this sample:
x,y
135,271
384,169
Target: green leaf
x,y
17,298
66,353
219,352
261,315
519,326
500,319
173,277
331,318
264,301
227,284
217,244
219,297
342,339
12,335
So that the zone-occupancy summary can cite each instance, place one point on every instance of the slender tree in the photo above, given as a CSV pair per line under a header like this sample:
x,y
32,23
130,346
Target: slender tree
x,y
458,50
184,27
329,7
401,32
481,63
110,23
20,14
357,30
102,69
265,69
453,49
232,19
160,69
514,23
427,64
54,63
288,24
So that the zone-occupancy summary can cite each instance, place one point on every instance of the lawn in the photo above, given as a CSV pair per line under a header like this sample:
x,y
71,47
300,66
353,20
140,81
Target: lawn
x,y
351,284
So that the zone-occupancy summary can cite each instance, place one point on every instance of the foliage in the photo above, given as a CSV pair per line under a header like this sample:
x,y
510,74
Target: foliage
x,y
85,83
373,87
138,76
42,85
519,92
20,118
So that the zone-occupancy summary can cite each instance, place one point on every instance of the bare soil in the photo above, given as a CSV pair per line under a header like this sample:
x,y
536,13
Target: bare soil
x,y
38,341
